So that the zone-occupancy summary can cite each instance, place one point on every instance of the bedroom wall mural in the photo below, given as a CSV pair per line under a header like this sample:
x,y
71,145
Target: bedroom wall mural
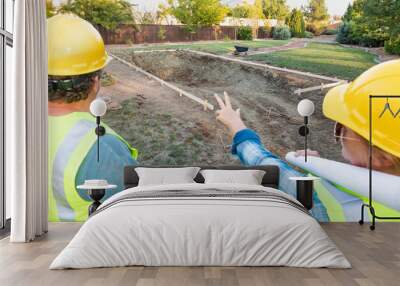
x,y
181,107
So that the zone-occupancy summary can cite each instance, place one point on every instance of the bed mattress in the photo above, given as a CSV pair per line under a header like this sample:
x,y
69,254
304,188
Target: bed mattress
x,y
201,225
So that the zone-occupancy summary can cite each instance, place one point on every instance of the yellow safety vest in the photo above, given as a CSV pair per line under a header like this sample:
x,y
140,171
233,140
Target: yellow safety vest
x,y
336,210
71,137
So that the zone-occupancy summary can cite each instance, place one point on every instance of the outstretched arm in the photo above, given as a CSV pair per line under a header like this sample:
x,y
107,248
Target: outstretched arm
x,y
249,154
248,147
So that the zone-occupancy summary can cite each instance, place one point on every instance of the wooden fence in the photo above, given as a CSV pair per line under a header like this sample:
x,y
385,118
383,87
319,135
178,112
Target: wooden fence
x,y
127,34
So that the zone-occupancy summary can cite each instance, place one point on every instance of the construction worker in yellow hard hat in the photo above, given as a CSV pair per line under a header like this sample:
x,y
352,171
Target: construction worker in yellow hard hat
x,y
348,105
76,56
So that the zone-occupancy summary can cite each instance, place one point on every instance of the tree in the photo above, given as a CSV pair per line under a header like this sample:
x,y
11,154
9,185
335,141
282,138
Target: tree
x,y
316,11
383,15
354,11
372,23
197,13
383,18
240,11
163,12
50,9
256,13
345,33
147,18
348,15
296,23
105,13
275,9
256,10
368,24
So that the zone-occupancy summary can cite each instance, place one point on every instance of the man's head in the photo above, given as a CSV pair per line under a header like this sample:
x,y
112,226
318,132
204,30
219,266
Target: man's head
x,y
69,89
76,56
349,105
355,150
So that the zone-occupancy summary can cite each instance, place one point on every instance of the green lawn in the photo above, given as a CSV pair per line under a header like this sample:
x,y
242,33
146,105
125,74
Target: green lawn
x,y
325,59
213,47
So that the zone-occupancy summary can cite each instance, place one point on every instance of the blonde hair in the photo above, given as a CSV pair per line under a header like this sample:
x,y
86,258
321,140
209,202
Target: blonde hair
x,y
378,151
381,155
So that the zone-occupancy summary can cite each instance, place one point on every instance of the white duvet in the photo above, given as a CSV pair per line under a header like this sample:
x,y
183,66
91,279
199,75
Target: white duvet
x,y
200,232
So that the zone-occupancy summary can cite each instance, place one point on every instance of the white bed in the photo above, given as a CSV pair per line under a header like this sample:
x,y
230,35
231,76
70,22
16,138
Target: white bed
x,y
208,230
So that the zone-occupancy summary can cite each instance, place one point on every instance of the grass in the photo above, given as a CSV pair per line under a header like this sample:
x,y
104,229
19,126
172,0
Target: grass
x,y
325,59
213,47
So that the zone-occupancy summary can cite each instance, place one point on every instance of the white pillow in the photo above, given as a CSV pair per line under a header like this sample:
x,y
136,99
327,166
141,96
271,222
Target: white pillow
x,y
166,176
247,177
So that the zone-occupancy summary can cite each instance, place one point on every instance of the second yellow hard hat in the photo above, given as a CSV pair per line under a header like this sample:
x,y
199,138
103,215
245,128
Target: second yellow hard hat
x,y
349,105
75,47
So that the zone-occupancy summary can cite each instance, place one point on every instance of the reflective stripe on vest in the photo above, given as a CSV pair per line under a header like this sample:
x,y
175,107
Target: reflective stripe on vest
x,y
62,156
345,206
380,209
333,207
71,138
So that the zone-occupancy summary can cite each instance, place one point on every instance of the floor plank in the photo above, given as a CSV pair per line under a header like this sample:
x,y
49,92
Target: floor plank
x,y
375,257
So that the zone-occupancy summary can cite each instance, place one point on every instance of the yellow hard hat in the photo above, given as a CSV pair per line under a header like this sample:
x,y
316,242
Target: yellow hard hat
x,y
348,104
75,47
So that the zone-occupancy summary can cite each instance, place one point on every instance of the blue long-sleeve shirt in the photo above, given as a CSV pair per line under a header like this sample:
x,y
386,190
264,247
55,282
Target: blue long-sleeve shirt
x,y
248,147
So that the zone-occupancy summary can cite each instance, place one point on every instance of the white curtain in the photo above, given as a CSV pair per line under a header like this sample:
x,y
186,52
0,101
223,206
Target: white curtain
x,y
26,123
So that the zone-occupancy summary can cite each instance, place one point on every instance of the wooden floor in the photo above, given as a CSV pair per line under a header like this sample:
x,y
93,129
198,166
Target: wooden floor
x,y
375,257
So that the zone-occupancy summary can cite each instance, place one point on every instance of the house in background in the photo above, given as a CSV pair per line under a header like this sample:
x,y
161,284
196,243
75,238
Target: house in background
x,y
231,21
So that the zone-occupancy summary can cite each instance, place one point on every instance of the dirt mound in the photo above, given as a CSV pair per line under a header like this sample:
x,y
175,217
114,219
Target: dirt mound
x,y
265,97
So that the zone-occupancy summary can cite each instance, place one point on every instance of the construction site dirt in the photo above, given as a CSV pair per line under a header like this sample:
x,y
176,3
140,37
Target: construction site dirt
x,y
169,129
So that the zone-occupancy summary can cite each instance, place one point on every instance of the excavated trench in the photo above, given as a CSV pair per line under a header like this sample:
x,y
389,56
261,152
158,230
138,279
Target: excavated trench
x,y
265,97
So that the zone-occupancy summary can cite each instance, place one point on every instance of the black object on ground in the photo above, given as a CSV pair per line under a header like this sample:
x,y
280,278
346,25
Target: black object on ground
x,y
241,50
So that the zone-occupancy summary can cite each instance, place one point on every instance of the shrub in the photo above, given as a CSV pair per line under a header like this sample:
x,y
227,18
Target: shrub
x,y
245,34
281,33
370,39
267,27
162,33
308,35
330,32
316,27
345,33
296,23
392,45
356,34
264,32
371,23
129,42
